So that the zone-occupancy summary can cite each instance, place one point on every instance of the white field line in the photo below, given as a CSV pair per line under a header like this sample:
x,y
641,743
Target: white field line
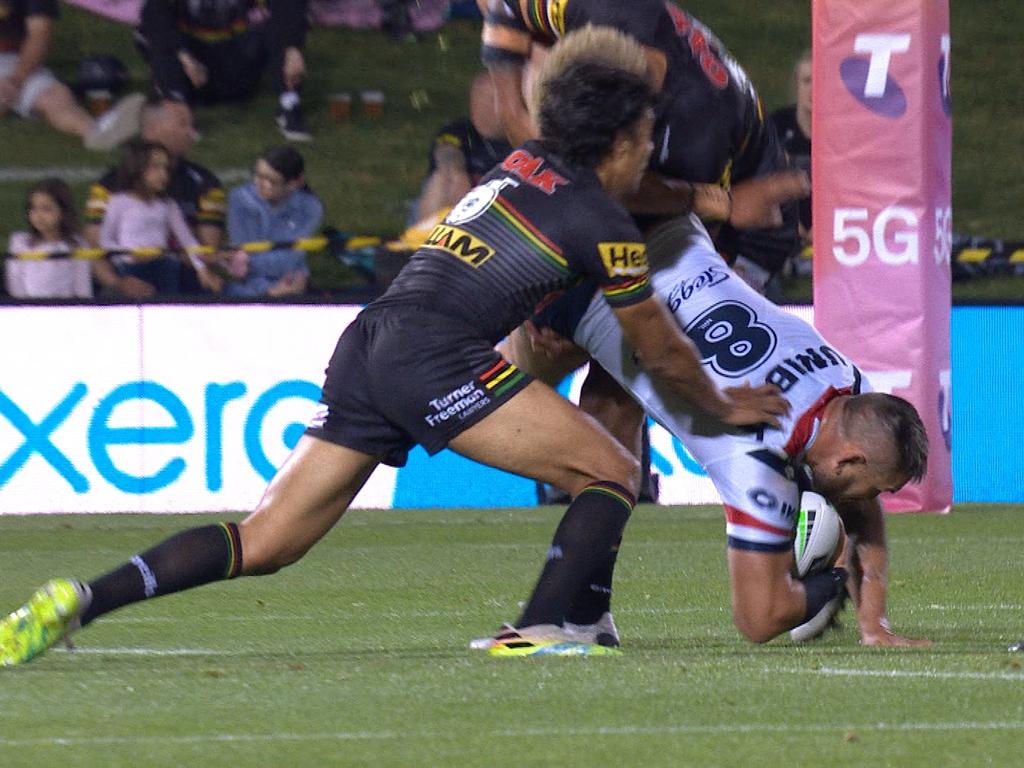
x,y
73,173
514,733
149,652
902,673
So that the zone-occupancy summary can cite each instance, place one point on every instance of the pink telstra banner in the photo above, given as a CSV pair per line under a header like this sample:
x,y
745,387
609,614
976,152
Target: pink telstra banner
x,y
881,170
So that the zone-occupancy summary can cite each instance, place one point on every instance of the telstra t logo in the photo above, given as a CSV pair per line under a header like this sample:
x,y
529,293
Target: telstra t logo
x,y
868,80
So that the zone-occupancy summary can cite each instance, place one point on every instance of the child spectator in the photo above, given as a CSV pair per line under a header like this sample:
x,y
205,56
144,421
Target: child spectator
x,y
143,216
52,228
275,206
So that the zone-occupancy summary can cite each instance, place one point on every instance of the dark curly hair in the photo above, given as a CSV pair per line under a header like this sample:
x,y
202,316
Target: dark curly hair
x,y
586,105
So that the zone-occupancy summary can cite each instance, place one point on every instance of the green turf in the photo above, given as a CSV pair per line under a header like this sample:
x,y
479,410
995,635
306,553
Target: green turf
x,y
357,655
367,171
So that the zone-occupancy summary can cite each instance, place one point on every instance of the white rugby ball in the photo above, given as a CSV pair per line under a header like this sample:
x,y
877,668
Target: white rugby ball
x,y
819,533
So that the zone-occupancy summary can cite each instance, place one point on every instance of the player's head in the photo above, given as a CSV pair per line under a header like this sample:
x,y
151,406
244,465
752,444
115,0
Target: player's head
x,y
870,443
594,108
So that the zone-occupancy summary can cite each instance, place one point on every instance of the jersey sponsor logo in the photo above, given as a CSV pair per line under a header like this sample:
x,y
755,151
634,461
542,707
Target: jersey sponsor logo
x,y
457,404
703,45
531,170
460,244
624,259
691,286
868,80
478,200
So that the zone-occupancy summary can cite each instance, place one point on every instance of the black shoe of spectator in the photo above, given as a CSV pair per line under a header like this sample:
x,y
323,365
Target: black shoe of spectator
x,y
293,124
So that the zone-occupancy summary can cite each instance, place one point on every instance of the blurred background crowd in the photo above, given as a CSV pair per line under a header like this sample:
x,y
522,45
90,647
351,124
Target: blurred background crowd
x,y
281,149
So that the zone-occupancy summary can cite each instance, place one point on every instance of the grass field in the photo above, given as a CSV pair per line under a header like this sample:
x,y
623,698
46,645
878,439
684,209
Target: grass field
x,y
357,655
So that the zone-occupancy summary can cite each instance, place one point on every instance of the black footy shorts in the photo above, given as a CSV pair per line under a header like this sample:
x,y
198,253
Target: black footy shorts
x,y
404,375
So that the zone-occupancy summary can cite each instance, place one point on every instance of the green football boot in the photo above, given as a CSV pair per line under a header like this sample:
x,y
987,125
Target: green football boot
x,y
50,615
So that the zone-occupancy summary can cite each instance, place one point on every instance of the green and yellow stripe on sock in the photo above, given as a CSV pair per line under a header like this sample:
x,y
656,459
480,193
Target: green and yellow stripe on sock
x,y
613,490
234,542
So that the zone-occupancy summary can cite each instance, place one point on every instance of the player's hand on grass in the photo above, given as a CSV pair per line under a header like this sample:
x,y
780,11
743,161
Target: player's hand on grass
x,y
881,636
750,406
755,202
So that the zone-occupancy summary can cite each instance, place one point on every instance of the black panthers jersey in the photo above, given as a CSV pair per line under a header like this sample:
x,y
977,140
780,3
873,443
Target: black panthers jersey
x,y
711,113
533,227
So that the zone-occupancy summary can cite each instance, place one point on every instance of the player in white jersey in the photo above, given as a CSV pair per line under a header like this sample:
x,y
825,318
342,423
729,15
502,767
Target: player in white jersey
x,y
838,439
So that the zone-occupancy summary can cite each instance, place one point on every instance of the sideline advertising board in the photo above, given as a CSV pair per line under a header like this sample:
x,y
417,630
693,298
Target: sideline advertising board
x,y
191,409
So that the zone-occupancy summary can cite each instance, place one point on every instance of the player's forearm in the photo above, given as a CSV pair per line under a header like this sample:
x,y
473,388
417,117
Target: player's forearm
x,y
872,589
676,366
658,196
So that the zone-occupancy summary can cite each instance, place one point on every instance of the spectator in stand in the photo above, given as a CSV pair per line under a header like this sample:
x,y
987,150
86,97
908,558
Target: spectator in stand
x,y
144,216
27,88
217,50
196,190
464,151
793,125
276,207
52,228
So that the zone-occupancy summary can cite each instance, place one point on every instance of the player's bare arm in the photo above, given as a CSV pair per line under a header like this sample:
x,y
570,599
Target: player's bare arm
x,y
670,357
868,564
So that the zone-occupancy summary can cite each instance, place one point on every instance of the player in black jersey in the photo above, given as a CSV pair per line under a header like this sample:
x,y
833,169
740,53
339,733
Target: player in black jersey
x,y
419,366
711,126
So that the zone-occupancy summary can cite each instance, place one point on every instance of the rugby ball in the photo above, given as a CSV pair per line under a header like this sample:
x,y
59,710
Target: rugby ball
x,y
819,535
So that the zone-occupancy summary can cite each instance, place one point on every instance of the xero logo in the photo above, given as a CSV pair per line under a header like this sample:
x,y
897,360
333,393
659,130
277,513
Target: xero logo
x,y
868,80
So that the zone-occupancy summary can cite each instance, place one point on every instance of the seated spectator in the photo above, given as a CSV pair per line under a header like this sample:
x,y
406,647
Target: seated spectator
x,y
27,88
276,206
793,125
196,190
52,228
144,217
463,151
217,50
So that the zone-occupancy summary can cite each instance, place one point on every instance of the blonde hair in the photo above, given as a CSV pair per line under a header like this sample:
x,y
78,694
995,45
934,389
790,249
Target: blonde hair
x,y
591,44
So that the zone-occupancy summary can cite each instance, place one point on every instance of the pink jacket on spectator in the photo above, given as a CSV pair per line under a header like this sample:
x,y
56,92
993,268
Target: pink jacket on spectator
x,y
131,222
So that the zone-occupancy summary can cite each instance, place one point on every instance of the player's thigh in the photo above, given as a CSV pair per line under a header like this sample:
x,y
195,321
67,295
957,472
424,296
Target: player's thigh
x,y
539,434
304,500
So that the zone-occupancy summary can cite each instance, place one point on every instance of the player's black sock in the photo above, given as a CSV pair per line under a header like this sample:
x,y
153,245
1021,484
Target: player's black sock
x,y
187,559
591,525
822,587
595,598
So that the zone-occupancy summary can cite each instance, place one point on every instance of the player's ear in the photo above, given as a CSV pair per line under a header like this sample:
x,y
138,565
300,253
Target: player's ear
x,y
852,459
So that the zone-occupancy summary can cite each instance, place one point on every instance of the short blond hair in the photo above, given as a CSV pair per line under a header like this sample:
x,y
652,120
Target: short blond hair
x,y
591,44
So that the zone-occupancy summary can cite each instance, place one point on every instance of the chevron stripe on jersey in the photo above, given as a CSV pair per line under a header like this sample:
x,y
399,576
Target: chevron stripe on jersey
x,y
529,234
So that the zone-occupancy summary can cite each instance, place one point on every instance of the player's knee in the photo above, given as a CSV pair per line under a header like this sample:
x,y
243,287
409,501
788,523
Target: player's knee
x,y
264,554
623,468
759,626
